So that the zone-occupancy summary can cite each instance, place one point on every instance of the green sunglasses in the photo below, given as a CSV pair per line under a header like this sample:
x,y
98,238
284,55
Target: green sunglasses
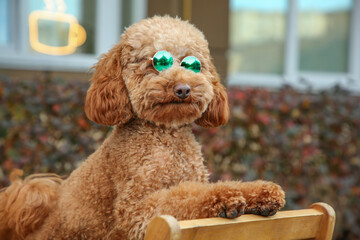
x,y
163,60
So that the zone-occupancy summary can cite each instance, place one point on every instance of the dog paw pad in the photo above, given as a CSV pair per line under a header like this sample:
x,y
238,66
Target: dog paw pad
x,y
230,215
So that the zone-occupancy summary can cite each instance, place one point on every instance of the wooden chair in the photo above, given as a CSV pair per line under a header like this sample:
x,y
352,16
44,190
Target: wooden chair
x,y
317,222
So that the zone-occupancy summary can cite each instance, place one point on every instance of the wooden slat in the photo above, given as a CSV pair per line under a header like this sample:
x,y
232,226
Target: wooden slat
x,y
301,224
328,221
163,228
314,223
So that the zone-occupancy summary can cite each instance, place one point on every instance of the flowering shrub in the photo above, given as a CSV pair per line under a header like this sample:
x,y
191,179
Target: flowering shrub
x,y
308,143
43,127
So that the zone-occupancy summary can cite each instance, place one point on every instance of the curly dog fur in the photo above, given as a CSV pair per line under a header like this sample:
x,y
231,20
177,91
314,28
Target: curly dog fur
x,y
151,164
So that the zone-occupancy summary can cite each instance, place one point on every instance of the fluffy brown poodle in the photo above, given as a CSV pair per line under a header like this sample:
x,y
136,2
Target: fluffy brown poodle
x,y
151,164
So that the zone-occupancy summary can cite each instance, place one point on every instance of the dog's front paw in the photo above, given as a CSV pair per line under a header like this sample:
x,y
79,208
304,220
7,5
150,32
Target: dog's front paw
x,y
225,200
265,199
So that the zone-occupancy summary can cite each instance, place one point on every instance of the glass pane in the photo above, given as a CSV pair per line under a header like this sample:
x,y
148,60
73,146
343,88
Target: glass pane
x,y
257,36
324,35
62,27
4,22
53,33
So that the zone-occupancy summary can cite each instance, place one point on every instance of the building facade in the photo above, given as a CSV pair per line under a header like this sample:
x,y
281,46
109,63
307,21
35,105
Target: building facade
x,y
264,43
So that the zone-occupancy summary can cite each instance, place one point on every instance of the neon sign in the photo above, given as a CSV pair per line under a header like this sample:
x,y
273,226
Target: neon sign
x,y
54,32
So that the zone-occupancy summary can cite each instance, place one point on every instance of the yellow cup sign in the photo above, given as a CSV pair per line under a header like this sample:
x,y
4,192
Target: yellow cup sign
x,y
55,32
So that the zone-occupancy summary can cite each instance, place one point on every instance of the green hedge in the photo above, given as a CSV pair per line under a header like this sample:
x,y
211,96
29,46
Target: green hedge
x,y
308,143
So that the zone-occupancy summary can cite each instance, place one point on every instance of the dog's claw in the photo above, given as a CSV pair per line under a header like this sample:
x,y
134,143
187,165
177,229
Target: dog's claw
x,y
253,211
272,213
233,214
265,212
242,212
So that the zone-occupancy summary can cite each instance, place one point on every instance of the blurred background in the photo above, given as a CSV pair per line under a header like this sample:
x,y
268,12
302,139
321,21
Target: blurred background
x,y
292,68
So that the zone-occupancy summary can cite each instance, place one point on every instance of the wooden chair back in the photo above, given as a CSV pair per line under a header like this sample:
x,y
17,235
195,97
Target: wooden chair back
x,y
317,222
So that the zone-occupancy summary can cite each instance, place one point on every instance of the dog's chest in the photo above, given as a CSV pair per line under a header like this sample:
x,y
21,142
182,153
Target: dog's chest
x,y
178,160
172,159
153,158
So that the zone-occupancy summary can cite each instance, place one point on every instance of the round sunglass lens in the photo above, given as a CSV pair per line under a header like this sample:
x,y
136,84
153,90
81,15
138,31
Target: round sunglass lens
x,y
162,60
191,63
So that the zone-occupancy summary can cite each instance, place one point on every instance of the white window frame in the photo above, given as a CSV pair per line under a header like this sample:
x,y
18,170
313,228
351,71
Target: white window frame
x,y
108,29
305,80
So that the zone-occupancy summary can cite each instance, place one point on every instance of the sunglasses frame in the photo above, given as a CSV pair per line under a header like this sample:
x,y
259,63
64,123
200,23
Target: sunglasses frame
x,y
174,60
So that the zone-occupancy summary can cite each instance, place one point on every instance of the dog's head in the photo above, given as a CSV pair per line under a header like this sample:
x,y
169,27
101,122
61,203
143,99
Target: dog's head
x,y
126,85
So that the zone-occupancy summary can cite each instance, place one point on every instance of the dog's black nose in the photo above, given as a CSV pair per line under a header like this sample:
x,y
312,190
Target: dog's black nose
x,y
182,91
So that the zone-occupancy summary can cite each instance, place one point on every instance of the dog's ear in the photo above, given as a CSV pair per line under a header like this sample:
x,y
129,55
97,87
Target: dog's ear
x,y
107,100
217,112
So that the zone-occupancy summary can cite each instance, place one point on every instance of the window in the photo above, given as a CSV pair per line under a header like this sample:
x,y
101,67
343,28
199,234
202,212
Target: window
x,y
324,35
304,43
50,26
257,36
4,22
64,35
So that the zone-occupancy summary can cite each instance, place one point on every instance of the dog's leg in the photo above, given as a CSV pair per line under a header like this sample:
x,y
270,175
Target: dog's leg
x,y
188,200
262,197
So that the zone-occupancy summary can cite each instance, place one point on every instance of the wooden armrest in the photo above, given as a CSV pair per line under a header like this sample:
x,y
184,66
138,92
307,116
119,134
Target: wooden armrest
x,y
317,222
